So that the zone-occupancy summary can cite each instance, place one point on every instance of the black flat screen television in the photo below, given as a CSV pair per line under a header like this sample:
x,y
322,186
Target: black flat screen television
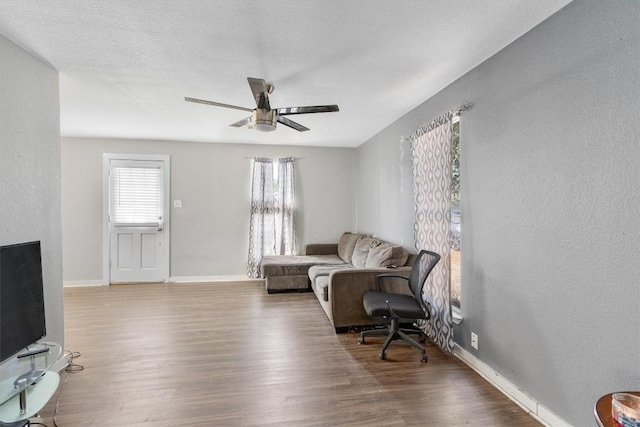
x,y
22,320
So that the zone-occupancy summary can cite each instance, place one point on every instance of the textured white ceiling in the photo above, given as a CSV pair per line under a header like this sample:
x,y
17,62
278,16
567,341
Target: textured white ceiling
x,y
126,65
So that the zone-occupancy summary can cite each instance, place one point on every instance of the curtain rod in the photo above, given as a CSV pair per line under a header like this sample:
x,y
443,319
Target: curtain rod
x,y
464,107
263,157
441,120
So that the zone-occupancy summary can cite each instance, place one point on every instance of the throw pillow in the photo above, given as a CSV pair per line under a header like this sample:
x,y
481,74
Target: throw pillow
x,y
361,251
385,255
346,245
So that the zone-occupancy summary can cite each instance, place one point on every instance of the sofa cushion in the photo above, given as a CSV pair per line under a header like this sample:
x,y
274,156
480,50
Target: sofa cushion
x,y
385,255
325,270
361,251
346,245
286,265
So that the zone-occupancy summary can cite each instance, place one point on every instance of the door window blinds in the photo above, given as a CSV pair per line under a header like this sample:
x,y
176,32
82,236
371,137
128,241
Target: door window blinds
x,y
135,195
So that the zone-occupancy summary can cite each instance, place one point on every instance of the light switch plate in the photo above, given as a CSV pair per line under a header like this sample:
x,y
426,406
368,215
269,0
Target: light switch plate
x,y
177,203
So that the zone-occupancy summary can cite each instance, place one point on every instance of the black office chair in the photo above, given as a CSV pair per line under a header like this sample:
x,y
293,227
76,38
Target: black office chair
x,y
397,309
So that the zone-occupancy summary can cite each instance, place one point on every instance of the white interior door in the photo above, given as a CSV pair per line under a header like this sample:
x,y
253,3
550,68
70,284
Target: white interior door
x,y
138,240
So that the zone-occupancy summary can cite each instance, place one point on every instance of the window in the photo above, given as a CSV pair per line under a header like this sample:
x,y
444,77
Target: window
x,y
455,215
272,228
135,194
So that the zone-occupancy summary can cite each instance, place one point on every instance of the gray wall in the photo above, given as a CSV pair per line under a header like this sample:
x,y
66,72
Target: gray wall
x,y
385,187
30,168
550,204
210,233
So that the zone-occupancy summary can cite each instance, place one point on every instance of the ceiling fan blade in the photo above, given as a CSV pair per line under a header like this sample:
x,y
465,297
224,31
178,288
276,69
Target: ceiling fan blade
x,y
258,86
292,124
217,104
306,110
240,123
260,91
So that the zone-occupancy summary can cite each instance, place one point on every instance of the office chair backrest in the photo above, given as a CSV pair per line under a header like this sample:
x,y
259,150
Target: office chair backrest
x,y
423,265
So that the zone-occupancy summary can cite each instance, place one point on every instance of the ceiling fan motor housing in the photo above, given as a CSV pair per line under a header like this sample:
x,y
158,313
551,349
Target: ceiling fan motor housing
x,y
264,120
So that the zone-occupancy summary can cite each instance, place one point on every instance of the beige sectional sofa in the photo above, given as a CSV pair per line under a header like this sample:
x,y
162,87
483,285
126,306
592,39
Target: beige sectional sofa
x,y
339,274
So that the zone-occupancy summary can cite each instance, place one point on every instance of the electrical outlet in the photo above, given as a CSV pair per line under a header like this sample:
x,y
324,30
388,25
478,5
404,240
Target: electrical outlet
x,y
474,340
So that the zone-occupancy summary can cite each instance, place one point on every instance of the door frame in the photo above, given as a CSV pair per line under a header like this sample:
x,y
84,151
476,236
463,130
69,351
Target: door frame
x,y
106,232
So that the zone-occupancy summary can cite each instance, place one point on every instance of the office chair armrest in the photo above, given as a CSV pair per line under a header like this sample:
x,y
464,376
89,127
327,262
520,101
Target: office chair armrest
x,y
388,276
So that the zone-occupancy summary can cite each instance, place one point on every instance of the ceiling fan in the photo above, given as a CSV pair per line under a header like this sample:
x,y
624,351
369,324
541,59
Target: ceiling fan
x,y
264,118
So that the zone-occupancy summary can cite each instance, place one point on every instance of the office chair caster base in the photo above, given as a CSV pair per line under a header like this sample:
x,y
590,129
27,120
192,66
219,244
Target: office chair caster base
x,y
425,358
383,356
360,340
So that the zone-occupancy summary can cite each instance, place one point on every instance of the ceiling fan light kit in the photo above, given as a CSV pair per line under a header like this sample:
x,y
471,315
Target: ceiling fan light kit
x,y
264,118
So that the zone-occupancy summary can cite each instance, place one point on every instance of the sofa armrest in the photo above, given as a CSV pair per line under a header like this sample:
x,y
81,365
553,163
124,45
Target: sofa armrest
x,y
321,249
347,287
346,283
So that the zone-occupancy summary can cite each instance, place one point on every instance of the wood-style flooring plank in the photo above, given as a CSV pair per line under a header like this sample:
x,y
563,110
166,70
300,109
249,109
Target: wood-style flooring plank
x,y
229,354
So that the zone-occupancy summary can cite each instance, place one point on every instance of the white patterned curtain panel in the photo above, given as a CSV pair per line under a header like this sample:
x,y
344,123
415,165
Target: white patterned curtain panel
x,y
285,199
431,165
271,225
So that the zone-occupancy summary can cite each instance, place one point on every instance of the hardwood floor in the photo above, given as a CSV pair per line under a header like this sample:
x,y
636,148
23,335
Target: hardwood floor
x,y
228,354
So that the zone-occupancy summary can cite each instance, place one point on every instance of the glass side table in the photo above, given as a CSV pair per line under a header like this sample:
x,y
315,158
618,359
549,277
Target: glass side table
x,y
27,384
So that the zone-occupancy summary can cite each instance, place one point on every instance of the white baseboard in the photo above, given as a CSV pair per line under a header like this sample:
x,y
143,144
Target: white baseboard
x,y
200,279
174,279
506,387
82,283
